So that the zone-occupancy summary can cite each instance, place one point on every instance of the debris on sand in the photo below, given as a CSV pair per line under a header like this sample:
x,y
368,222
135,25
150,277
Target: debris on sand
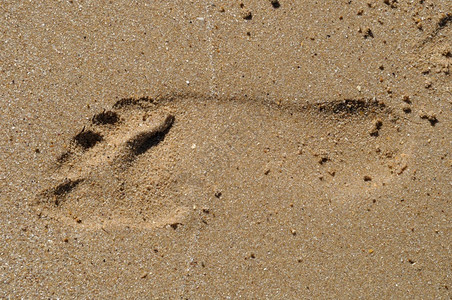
x,y
429,116
391,3
377,124
247,15
368,33
406,109
275,3
406,99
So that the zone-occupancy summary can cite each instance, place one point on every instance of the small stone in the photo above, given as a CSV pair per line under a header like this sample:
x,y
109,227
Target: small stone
x,y
367,178
293,231
144,275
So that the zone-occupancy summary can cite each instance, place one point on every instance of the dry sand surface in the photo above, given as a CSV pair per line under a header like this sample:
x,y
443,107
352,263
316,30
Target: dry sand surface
x,y
226,149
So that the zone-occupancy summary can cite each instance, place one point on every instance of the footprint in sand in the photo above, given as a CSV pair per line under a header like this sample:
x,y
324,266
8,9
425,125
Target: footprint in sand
x,y
151,163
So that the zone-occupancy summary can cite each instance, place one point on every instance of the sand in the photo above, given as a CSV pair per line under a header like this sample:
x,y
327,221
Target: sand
x,y
227,149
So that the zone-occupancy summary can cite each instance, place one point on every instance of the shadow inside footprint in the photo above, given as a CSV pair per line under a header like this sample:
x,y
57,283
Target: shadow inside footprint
x,y
87,139
59,192
66,187
106,117
142,142
351,106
